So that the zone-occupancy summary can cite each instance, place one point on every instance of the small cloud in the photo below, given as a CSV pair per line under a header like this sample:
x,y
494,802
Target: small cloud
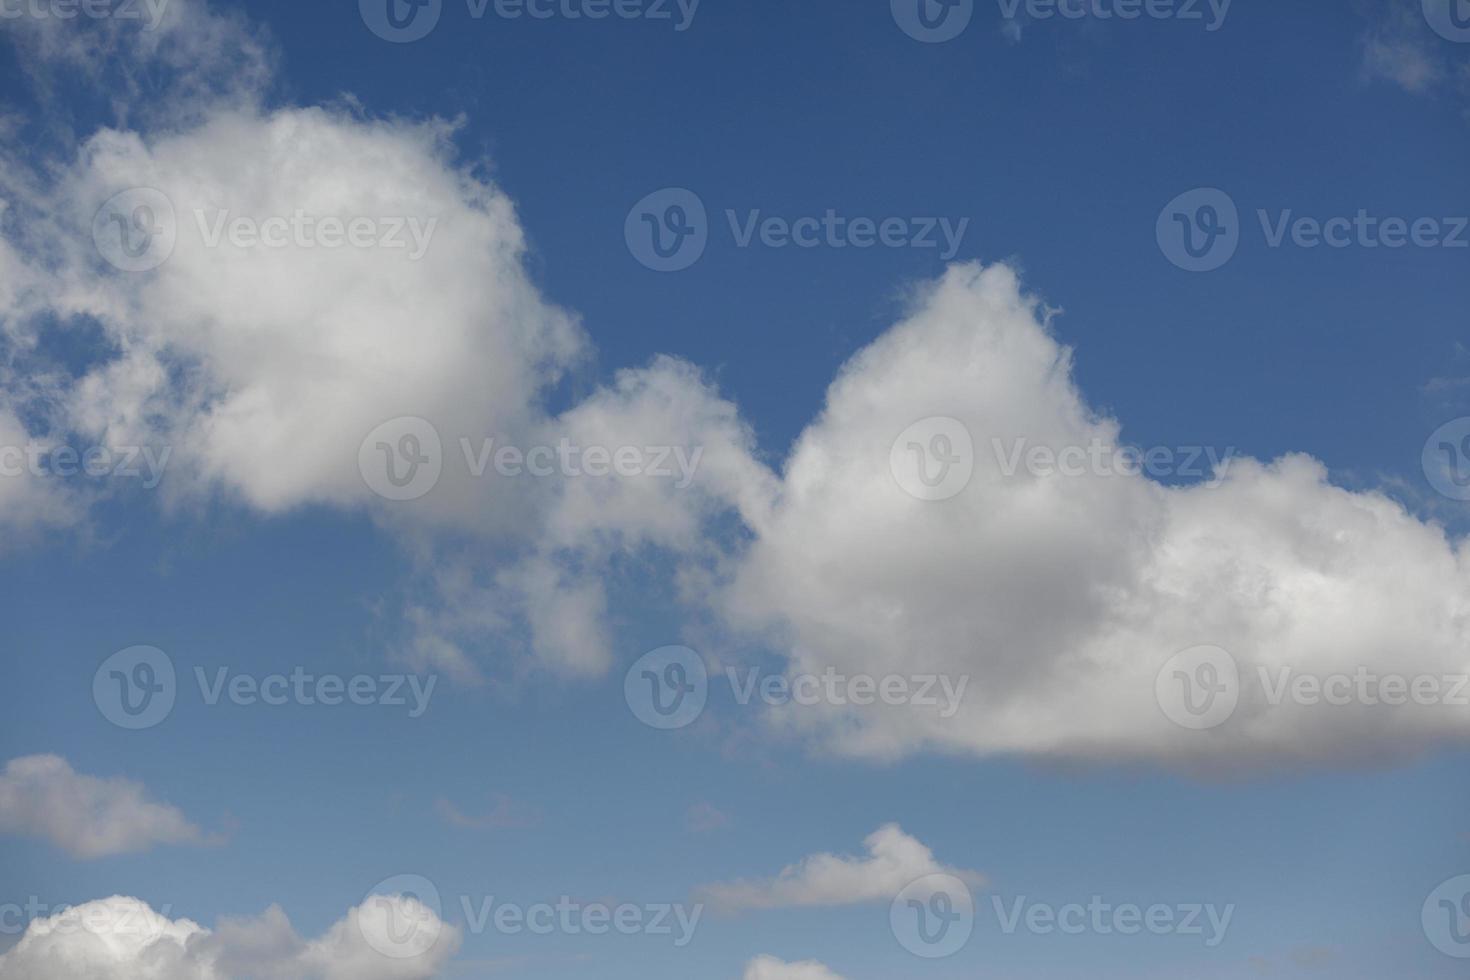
x,y
1313,957
87,817
894,861
1400,48
705,818
505,815
770,968
1408,62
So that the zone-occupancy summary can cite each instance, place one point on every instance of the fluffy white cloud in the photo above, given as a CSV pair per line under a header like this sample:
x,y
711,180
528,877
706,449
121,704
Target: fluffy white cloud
x,y
42,796
265,367
770,968
1061,597
894,860
122,938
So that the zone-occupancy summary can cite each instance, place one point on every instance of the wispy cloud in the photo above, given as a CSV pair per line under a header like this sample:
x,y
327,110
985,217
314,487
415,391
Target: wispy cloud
x,y
894,860
42,796
506,814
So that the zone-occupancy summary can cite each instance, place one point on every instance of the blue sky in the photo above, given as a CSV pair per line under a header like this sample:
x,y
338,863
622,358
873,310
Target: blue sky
x,y
528,775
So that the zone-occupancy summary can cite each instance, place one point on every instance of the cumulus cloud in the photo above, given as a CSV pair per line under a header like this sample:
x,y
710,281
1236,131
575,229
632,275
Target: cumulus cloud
x,y
122,938
770,968
893,861
42,796
1061,597
266,369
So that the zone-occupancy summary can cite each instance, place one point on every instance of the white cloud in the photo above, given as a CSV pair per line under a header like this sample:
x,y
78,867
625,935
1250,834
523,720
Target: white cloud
x,y
1400,47
122,938
770,968
265,368
1408,62
507,814
893,861
42,796
706,818
1062,597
